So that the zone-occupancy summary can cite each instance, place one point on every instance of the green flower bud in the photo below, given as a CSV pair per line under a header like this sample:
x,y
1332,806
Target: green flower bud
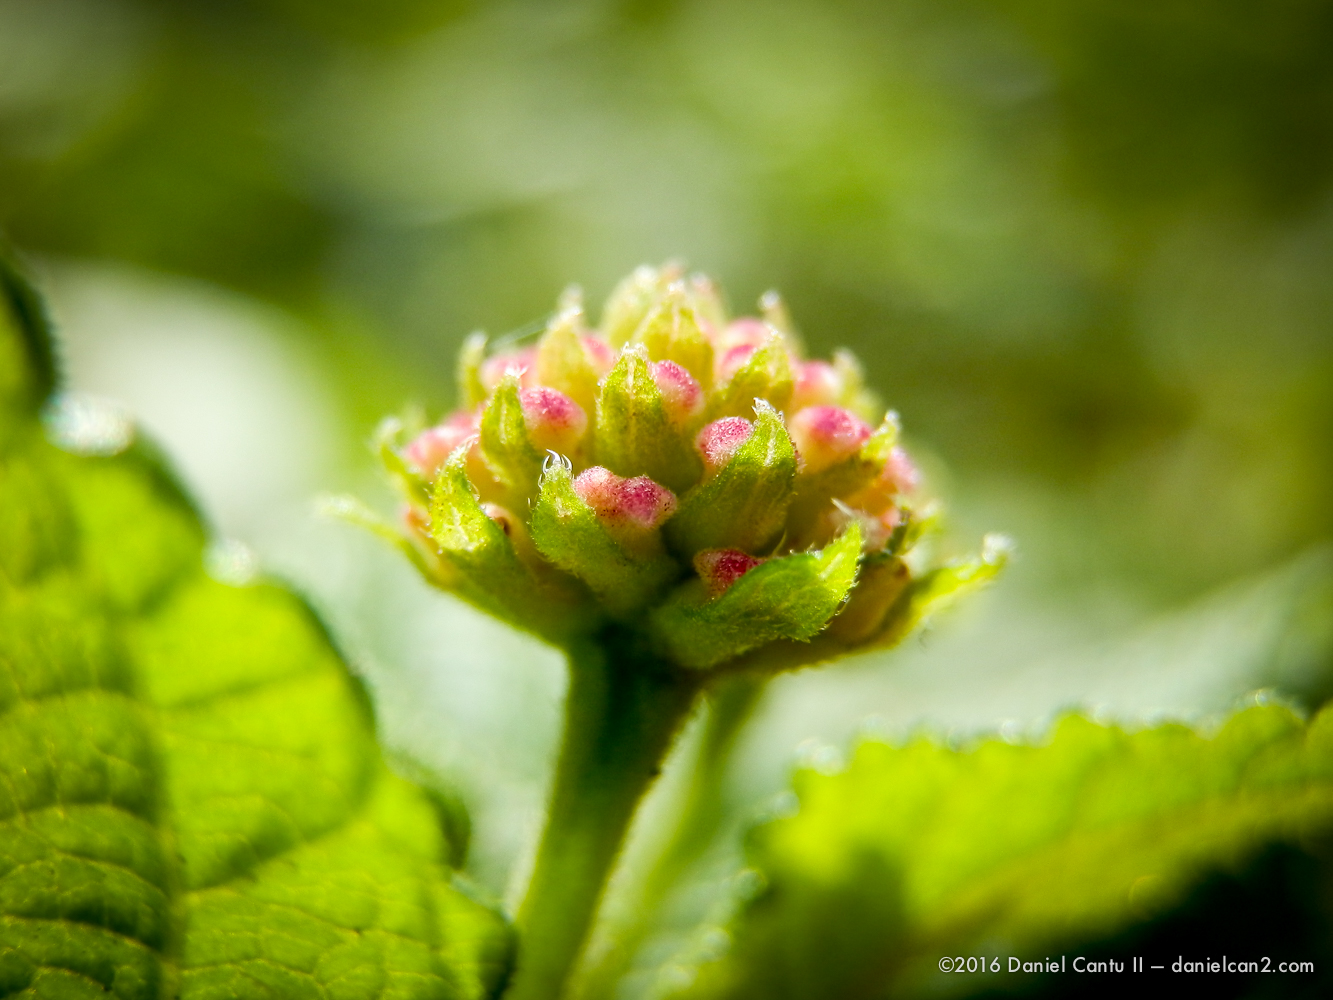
x,y
688,476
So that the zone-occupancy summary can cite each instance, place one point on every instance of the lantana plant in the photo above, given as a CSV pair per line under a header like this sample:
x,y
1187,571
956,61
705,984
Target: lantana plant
x,y
672,497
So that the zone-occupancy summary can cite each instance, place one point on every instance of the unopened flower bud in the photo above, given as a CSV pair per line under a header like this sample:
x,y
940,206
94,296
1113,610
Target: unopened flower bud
x,y
744,331
785,481
817,384
429,449
718,441
600,354
554,421
720,568
638,504
682,396
897,478
493,370
825,435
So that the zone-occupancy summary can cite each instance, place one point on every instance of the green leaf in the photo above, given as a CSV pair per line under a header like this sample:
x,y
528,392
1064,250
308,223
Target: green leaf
x,y
1100,834
791,597
191,799
635,437
744,505
568,533
490,574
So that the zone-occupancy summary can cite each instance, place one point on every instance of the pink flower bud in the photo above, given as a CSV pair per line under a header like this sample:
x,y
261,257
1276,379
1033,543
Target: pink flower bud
x,y
682,396
495,368
718,441
825,435
601,355
817,384
732,360
900,472
429,449
899,476
744,331
638,504
554,421
720,568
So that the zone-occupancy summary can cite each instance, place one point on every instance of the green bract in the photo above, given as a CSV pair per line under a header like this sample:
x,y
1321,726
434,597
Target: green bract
x,y
689,475
191,800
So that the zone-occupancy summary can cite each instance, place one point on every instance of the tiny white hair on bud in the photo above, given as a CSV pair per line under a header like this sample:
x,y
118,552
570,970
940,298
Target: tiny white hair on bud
x,y
459,454
554,459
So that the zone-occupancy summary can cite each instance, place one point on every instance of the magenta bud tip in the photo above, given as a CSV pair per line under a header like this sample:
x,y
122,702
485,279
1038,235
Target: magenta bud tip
x,y
720,568
682,396
718,441
817,384
639,502
554,421
825,435
429,449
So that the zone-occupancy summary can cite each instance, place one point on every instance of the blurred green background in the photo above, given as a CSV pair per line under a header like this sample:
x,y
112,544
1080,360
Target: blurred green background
x,y
1086,250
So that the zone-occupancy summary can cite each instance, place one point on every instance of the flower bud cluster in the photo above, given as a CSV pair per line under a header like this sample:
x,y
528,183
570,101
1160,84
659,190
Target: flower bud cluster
x,y
679,471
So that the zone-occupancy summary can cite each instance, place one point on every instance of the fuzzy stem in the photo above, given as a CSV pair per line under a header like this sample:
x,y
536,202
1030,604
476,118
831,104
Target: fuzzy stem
x,y
701,814
621,713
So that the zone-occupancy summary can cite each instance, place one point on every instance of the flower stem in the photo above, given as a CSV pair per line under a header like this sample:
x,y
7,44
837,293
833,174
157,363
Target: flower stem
x,y
700,816
622,712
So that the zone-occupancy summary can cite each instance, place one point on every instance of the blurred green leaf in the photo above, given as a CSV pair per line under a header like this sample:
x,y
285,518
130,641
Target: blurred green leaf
x,y
922,851
191,798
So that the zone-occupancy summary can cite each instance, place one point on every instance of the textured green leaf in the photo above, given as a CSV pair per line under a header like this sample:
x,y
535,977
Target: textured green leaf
x,y
191,800
1099,835
569,534
791,597
744,505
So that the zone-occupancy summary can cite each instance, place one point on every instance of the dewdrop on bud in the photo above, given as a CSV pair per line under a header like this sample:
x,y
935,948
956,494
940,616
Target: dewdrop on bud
x,y
720,568
825,435
637,504
682,396
718,441
554,421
